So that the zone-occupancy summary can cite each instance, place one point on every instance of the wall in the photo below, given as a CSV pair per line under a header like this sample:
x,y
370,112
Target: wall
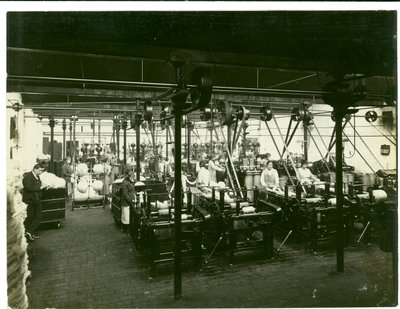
x,y
27,145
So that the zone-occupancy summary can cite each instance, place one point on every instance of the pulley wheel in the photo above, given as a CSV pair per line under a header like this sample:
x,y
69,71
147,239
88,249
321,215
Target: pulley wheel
x,y
297,114
371,116
308,118
226,113
242,113
266,113
201,95
148,111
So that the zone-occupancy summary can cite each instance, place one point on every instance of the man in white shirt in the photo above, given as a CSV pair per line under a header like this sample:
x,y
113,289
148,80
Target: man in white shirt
x,y
270,177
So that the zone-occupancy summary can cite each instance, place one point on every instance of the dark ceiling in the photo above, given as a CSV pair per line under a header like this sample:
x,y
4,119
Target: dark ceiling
x,y
60,57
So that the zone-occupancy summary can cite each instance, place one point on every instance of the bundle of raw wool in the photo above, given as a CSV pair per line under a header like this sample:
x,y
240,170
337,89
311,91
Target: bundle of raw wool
x,y
17,258
98,169
81,169
50,180
97,185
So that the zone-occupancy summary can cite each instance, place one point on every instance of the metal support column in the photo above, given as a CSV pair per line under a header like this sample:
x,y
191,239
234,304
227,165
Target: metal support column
x,y
124,127
178,101
70,138
339,115
52,124
98,131
189,130
166,139
114,130
178,207
64,127
305,144
117,129
137,130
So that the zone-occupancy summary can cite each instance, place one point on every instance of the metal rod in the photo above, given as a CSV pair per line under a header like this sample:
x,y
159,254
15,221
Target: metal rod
x,y
290,138
292,81
360,154
363,232
137,130
339,192
320,136
279,153
384,135
166,139
189,130
124,127
94,128
287,236
229,137
287,133
52,124
178,207
216,89
287,150
368,147
70,138
64,150
99,129
333,140
113,133
305,141
117,130
319,151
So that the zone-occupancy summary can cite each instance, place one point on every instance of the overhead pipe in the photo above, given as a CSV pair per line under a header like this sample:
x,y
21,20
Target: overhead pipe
x,y
217,89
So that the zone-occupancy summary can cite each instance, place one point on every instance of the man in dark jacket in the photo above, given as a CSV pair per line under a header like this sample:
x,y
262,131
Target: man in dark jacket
x,y
32,197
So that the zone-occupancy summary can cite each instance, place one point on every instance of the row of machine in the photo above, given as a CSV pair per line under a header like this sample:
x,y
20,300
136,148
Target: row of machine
x,y
222,221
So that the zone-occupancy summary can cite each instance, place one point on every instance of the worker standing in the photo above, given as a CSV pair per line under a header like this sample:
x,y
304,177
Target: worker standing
x,y
203,178
213,167
128,197
66,173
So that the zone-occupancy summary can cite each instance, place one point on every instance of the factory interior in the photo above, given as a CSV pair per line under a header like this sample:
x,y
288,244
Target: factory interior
x,y
281,127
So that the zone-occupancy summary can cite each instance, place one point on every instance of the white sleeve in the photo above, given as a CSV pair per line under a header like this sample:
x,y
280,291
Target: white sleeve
x,y
262,179
276,178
